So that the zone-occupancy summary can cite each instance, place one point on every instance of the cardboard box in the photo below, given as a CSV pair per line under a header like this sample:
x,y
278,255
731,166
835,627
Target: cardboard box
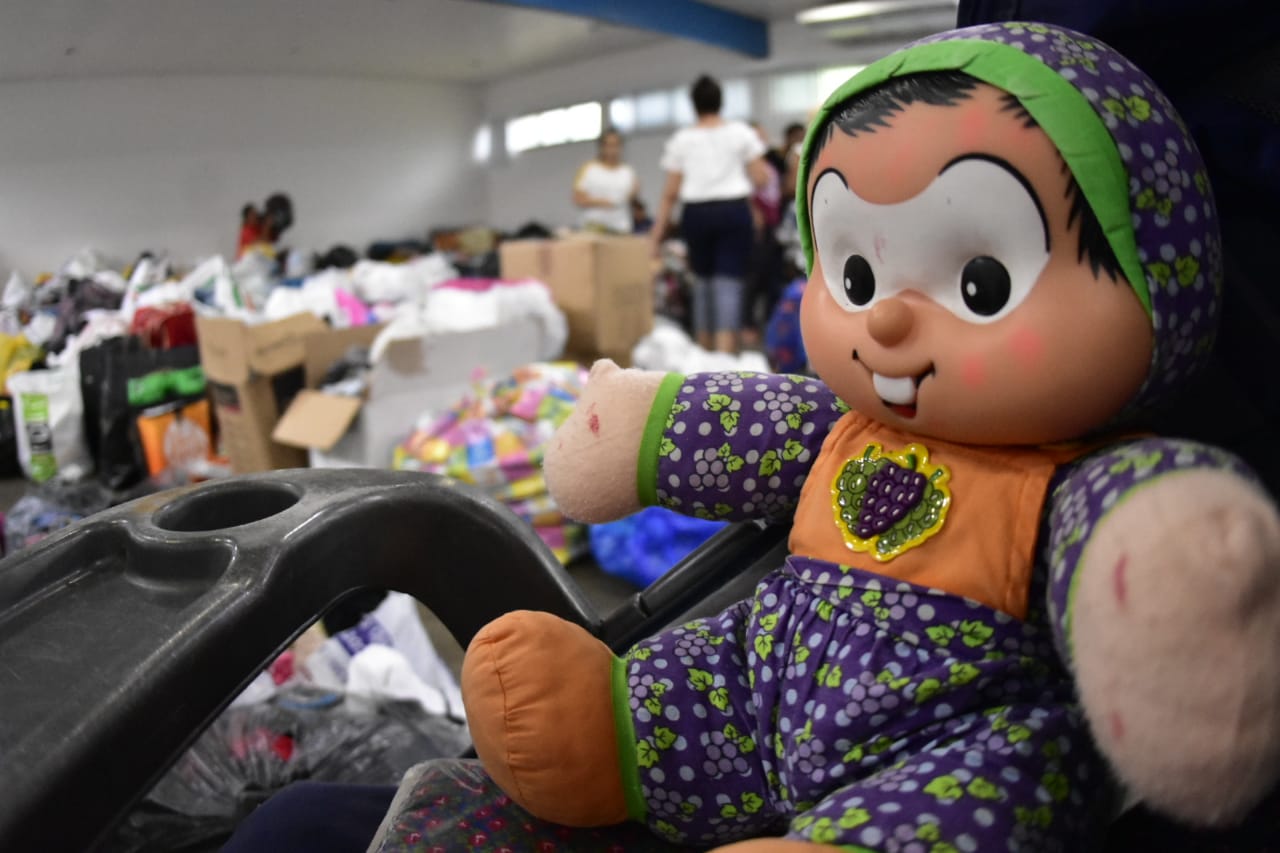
x,y
254,372
413,377
603,284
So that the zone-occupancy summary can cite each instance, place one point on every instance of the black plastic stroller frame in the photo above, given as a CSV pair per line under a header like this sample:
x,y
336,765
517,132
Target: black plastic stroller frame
x,y
123,636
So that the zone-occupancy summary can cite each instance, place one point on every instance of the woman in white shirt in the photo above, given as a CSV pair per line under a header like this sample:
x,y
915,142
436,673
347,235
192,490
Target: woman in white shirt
x,y
712,169
605,186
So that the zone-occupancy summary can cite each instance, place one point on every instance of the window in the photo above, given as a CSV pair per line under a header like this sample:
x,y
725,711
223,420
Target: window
x,y
577,123
737,99
830,79
553,127
482,144
622,114
522,134
583,122
673,107
682,113
799,92
794,92
653,109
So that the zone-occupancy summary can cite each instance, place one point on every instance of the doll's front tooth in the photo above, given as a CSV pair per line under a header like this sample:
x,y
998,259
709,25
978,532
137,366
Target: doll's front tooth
x,y
899,390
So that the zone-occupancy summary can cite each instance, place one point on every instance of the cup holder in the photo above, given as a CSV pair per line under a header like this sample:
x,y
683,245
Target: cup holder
x,y
220,507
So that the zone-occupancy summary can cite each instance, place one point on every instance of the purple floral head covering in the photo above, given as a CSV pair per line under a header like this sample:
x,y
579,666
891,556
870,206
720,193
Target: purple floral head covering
x,y
1129,151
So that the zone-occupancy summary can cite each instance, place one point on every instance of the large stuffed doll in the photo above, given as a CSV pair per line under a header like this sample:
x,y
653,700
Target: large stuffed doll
x,y
1001,593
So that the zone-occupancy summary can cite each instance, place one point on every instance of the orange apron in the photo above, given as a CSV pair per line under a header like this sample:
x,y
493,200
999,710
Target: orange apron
x,y
959,518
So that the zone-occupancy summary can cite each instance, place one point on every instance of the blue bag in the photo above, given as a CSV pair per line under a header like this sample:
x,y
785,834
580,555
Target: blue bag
x,y
642,547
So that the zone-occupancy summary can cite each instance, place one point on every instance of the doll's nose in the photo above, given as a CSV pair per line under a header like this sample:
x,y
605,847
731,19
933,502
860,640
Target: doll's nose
x,y
889,321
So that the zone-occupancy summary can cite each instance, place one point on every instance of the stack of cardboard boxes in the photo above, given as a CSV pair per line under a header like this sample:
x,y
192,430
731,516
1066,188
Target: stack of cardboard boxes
x,y
603,284
254,372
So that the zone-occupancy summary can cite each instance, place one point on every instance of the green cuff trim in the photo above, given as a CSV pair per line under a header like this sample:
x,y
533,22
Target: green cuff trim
x,y
654,429
625,731
1061,110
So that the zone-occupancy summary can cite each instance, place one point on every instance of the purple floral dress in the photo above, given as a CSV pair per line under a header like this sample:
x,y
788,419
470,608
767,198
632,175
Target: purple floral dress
x,y
844,707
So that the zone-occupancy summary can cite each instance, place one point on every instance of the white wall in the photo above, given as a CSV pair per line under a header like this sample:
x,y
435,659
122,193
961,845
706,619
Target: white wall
x,y
124,164
165,162
536,185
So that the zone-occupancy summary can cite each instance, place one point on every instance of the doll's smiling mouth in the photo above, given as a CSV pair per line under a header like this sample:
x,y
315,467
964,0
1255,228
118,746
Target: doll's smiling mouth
x,y
898,393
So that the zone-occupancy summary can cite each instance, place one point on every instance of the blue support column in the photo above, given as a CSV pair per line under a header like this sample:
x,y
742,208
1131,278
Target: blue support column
x,y
688,19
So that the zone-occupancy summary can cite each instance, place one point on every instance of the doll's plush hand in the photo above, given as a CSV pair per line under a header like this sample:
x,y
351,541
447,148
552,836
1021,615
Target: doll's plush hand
x,y
1175,633
539,706
592,459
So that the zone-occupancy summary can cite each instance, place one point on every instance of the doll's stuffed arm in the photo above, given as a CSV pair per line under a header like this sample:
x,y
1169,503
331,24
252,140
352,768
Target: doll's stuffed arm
x,y
731,446
1165,600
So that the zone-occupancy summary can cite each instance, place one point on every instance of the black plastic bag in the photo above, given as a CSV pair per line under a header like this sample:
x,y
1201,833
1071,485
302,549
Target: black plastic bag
x,y
252,751
83,295
9,465
120,378
50,506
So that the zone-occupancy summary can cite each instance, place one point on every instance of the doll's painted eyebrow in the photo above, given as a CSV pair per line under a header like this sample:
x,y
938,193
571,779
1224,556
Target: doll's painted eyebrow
x,y
827,171
830,170
1012,170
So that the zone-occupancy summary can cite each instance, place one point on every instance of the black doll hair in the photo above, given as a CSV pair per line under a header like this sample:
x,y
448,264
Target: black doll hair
x,y
867,111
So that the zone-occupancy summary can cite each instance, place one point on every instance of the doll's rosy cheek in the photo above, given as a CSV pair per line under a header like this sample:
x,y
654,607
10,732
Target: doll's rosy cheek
x,y
973,372
1026,347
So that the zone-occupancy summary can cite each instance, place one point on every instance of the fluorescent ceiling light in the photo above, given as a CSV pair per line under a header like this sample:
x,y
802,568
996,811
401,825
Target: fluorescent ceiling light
x,y
866,9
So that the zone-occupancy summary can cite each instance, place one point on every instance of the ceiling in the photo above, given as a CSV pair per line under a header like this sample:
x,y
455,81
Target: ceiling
x,y
448,40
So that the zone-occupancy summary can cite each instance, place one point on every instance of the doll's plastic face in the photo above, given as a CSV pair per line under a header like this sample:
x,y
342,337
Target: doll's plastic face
x,y
947,297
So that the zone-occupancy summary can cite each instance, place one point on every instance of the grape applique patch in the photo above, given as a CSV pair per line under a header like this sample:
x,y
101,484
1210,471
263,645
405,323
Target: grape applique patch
x,y
887,503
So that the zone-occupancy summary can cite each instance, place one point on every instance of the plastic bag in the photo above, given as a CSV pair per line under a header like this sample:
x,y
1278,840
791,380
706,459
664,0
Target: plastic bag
x,y
18,293
17,355
669,348
50,423
317,294
782,342
51,506
642,547
212,282
252,751
83,296
394,624
374,281
177,437
411,669
167,326
123,380
463,304
9,465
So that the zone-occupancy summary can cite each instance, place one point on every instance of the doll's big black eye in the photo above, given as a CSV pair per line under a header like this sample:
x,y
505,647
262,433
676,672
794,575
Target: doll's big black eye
x,y
859,280
984,284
